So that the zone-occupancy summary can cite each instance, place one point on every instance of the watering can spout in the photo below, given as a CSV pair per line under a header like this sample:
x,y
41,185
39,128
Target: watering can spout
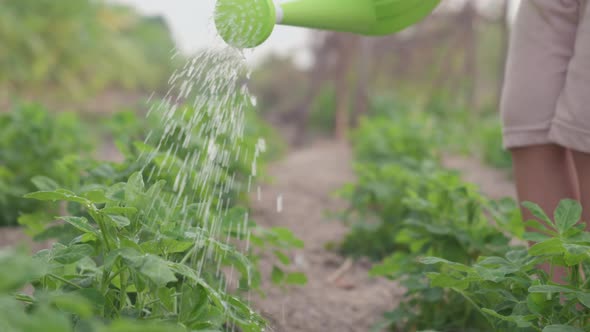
x,y
248,23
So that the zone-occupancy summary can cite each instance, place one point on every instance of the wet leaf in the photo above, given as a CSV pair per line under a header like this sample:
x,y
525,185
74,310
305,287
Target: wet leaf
x,y
156,270
119,221
47,196
120,210
71,254
80,223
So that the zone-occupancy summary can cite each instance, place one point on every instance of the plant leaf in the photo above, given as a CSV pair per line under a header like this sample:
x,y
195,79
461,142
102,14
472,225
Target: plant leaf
x,y
552,246
520,321
296,278
561,328
157,270
119,210
535,237
567,214
134,187
447,281
283,258
551,289
44,183
57,195
119,221
584,298
80,223
537,212
277,275
453,265
71,254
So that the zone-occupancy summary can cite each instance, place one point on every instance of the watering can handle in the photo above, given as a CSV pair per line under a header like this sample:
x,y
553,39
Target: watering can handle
x,y
248,23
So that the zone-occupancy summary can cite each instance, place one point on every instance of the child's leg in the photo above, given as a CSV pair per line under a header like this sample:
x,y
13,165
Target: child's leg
x,y
571,125
582,163
543,175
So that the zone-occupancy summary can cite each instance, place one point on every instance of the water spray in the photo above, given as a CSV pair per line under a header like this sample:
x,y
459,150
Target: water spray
x,y
248,23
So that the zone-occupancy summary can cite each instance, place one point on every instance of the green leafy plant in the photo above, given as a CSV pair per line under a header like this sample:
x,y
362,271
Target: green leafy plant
x,y
513,293
404,206
35,142
399,138
121,48
132,257
445,216
138,249
490,137
52,311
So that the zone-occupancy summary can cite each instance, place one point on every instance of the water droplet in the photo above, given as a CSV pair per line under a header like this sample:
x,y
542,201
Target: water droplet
x,y
280,203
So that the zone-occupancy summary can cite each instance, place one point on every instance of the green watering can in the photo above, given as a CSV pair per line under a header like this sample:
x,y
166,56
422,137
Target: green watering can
x,y
248,23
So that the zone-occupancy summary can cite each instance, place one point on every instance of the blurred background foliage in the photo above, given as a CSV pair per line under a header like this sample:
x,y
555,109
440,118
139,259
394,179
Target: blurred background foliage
x,y
103,61
70,51
449,66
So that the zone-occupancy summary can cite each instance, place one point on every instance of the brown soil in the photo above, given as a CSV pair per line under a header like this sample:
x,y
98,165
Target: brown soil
x,y
354,302
307,179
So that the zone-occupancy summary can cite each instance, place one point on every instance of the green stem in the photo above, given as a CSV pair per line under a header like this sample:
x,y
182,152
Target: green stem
x,y
151,302
188,254
65,281
467,314
110,279
470,300
99,220
576,275
24,298
123,288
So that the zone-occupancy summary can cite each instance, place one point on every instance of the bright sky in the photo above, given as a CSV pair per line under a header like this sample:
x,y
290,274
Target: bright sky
x,y
191,24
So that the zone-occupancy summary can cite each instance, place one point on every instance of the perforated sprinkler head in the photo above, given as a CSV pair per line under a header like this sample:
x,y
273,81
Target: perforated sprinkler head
x,y
245,23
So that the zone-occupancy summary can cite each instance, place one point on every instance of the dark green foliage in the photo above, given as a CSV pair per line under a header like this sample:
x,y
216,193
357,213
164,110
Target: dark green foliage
x,y
446,216
137,256
35,142
407,139
63,311
491,145
132,252
323,110
76,48
513,293
404,206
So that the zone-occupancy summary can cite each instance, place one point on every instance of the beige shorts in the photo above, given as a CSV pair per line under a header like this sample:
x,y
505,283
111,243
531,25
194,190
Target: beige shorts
x,y
546,98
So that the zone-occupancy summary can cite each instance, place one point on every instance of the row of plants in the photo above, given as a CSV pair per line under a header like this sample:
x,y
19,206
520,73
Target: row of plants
x,y
454,124
130,252
77,48
451,247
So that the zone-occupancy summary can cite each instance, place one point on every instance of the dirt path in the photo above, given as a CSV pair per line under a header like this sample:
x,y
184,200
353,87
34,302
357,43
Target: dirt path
x,y
306,179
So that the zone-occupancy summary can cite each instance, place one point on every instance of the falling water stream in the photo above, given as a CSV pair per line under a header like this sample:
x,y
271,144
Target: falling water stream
x,y
206,104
